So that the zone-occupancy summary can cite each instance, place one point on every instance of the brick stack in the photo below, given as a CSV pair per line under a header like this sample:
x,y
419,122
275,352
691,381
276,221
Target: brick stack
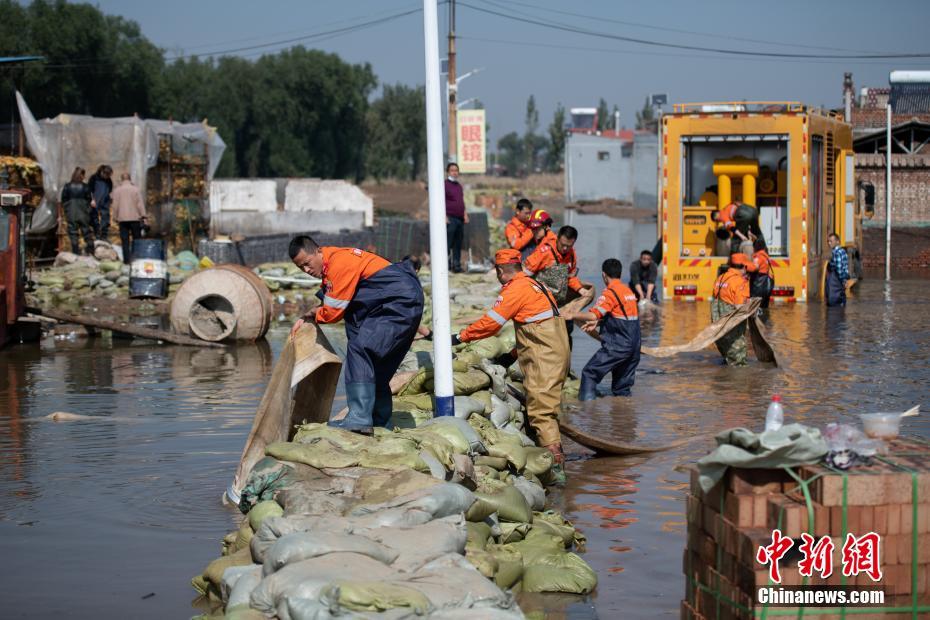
x,y
727,526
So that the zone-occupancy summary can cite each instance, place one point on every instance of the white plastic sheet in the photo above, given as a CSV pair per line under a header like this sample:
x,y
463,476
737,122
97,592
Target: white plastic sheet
x,y
127,144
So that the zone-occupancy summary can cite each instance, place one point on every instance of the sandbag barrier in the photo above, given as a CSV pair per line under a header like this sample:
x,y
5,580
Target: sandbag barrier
x,y
438,517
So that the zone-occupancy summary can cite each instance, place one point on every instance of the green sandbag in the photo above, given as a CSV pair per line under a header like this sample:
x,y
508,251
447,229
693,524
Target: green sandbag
x,y
570,388
559,572
538,460
509,504
509,566
494,462
321,453
243,612
484,397
482,560
213,573
514,532
417,383
263,510
537,545
409,417
446,428
514,453
434,443
420,401
464,383
109,265
240,539
378,596
486,348
348,440
478,535
553,523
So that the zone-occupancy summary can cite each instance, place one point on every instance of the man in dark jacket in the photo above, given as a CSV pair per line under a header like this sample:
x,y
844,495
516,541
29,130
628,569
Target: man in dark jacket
x,y
456,216
101,186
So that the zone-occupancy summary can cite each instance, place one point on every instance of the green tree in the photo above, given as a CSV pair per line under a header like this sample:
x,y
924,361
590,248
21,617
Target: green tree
x,y
511,154
396,133
94,63
646,118
556,146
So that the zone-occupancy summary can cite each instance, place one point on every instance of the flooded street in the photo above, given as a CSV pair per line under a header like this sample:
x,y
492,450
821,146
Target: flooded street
x,y
112,516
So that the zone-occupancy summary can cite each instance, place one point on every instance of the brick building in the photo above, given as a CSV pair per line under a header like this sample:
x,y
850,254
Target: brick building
x,y
910,164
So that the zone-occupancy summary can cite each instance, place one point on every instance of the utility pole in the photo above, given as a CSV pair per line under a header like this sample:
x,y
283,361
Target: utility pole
x,y
888,194
453,111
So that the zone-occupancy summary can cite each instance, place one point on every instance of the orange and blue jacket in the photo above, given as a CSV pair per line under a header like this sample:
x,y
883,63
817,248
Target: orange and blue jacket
x,y
728,216
518,234
617,301
546,255
343,269
523,299
762,263
732,288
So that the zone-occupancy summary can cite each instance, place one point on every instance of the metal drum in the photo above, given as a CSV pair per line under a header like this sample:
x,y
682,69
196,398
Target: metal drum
x,y
148,276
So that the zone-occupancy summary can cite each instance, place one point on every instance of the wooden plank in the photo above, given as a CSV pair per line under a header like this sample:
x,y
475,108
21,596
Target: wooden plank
x,y
128,328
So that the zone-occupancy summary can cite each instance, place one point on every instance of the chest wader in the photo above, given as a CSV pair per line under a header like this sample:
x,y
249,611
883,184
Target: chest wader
x,y
621,340
381,322
732,345
544,358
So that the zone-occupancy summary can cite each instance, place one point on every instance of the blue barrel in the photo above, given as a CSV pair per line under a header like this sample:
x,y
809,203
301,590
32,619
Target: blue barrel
x,y
148,275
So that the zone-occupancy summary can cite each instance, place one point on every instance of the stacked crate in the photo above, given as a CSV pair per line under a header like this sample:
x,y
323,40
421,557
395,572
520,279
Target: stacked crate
x,y
727,525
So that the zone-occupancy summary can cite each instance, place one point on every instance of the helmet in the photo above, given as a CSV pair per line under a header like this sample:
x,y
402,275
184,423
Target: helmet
x,y
539,218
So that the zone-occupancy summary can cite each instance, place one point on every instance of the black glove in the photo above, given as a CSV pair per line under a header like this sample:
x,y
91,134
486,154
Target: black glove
x,y
429,336
455,340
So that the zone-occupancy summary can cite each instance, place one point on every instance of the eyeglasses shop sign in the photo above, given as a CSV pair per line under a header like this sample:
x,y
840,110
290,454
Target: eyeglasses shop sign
x,y
471,143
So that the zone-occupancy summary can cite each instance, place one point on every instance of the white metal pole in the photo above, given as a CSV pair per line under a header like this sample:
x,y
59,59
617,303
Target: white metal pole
x,y
439,267
888,197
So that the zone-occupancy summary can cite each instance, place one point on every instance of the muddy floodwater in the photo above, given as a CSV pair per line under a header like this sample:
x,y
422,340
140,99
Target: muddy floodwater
x,y
110,517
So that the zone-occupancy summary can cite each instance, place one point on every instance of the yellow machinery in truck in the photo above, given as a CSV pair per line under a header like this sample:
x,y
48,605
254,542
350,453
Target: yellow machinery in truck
x,y
795,164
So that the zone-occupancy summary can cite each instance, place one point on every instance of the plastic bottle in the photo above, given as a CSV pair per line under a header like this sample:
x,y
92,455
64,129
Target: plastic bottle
x,y
775,416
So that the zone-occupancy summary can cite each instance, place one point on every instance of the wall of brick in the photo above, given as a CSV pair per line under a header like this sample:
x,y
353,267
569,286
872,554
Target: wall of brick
x,y
876,118
910,178
910,252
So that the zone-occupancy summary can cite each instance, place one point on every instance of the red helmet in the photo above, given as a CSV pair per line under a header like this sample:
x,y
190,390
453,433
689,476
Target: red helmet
x,y
539,218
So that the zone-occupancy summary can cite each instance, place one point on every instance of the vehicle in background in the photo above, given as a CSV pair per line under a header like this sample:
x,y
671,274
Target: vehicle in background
x,y
793,162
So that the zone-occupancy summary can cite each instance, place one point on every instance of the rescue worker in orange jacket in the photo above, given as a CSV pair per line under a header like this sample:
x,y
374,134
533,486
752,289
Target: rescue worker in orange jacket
x,y
761,278
731,290
740,219
542,346
518,233
616,313
382,304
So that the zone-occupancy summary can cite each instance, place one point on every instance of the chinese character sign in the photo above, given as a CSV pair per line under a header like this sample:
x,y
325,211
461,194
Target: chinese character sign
x,y
471,151
860,554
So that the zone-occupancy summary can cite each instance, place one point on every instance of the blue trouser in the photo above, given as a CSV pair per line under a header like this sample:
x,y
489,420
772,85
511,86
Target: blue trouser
x,y
618,355
100,219
381,322
835,289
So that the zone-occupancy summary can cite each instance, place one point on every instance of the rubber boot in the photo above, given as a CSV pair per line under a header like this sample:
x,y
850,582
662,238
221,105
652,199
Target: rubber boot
x,y
361,400
384,409
558,468
588,389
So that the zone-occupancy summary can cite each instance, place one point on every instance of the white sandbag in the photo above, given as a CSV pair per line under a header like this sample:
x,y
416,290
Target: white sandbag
x,y
475,445
457,587
534,494
307,578
305,545
274,528
501,412
416,546
498,376
391,517
465,406
439,501
238,583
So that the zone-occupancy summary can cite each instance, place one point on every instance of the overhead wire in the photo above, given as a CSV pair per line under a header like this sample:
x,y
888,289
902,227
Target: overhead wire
x,y
682,46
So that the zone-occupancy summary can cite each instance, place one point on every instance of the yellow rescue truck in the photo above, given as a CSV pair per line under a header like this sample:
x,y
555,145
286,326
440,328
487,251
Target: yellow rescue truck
x,y
794,163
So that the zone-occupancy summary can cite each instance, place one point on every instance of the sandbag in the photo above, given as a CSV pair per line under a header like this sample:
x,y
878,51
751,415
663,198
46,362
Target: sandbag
x,y
501,412
274,528
484,562
515,453
555,524
494,462
559,572
509,565
376,596
305,545
534,494
423,402
538,460
213,574
419,545
498,376
307,578
484,397
439,501
263,510
463,383
466,406
454,586
238,583
478,535
509,504
242,612
513,532
381,486
458,430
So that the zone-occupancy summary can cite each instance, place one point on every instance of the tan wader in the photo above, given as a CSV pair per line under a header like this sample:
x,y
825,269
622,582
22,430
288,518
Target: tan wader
x,y
544,358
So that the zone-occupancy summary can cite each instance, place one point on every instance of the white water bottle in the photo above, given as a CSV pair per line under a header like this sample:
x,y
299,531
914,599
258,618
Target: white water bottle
x,y
775,416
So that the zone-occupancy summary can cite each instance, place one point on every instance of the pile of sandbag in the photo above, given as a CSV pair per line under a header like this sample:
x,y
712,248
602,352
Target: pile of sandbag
x,y
440,517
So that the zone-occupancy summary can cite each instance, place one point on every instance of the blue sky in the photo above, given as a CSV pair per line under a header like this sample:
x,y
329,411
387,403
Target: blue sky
x,y
519,58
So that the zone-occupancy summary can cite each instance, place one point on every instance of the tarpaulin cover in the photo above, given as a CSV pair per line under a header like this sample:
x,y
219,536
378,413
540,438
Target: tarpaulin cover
x,y
128,144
